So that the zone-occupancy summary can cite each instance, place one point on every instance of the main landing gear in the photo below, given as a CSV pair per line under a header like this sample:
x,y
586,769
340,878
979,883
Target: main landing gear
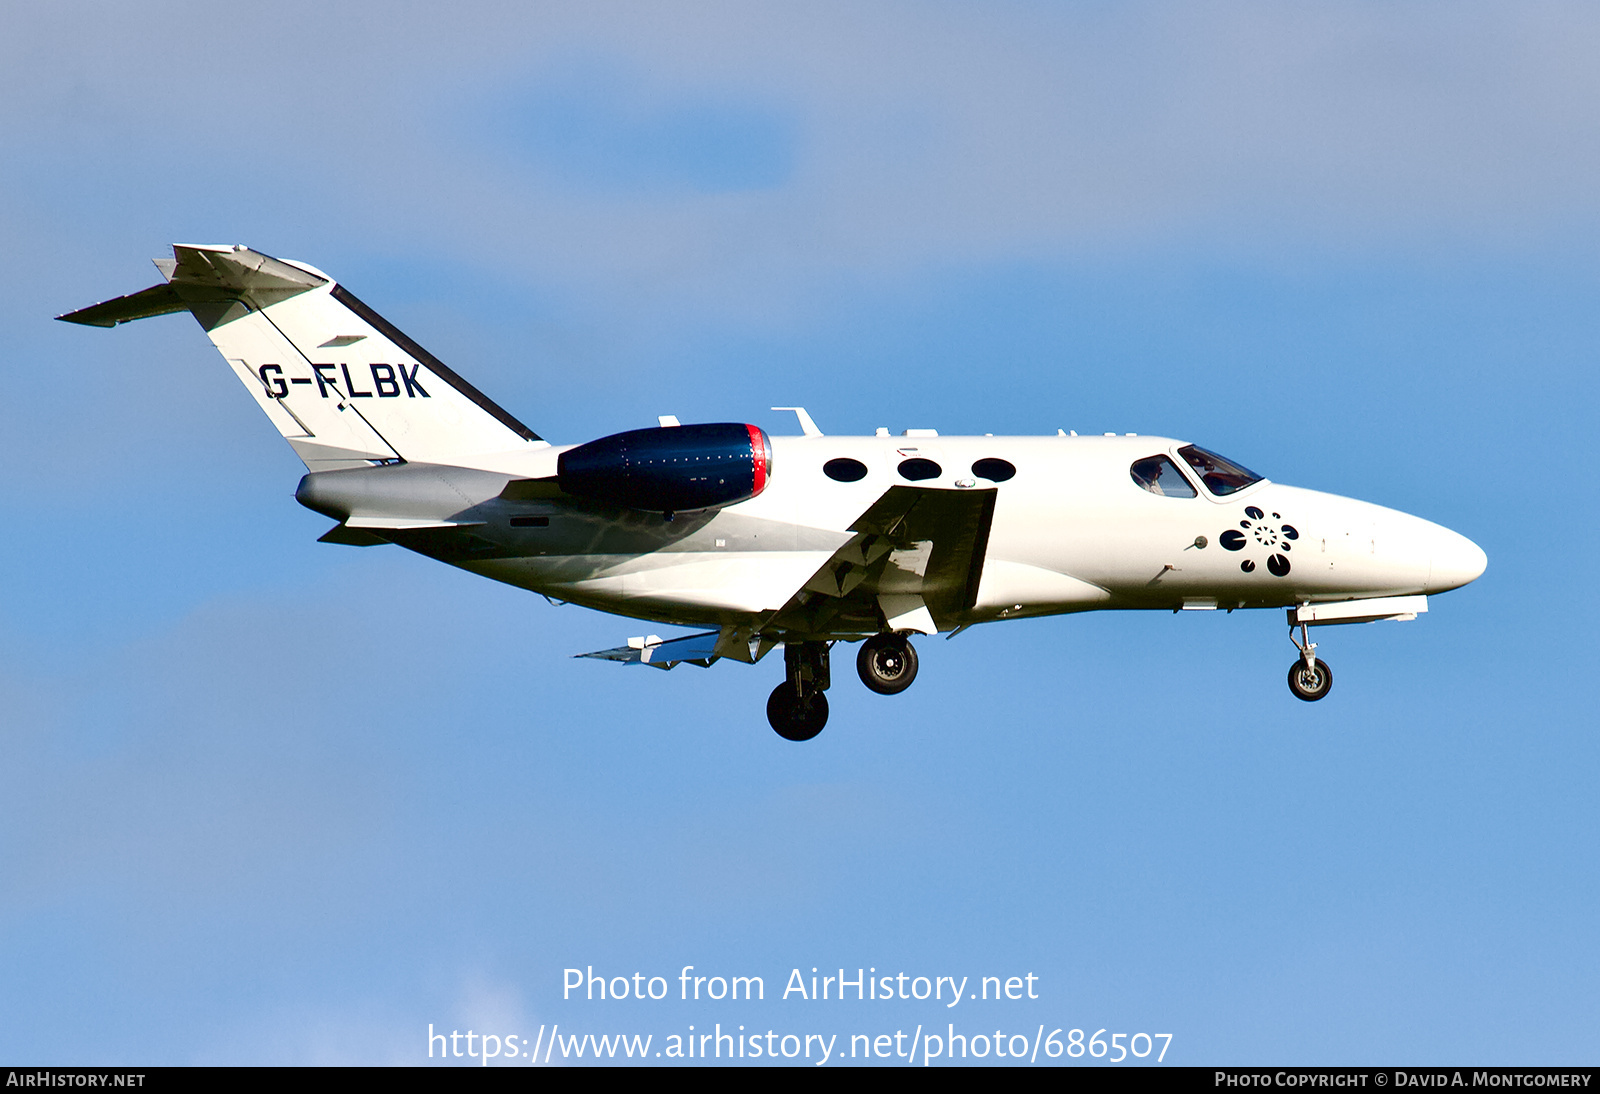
x,y
887,663
798,709
1309,678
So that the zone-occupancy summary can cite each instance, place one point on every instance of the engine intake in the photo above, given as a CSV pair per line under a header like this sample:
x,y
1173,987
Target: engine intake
x,y
670,469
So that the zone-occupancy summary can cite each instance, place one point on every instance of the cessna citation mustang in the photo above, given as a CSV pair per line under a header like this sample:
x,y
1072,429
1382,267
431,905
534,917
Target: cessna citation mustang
x,y
794,541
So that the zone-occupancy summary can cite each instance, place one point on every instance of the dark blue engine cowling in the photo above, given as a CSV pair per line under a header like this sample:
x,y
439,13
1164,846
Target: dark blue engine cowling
x,y
670,469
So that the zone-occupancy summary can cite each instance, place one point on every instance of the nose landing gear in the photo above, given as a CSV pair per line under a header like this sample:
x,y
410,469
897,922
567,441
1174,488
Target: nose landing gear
x,y
797,708
1309,678
887,663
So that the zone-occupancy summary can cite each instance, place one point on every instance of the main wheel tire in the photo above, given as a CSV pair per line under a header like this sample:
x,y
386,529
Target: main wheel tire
x,y
887,663
1311,684
797,717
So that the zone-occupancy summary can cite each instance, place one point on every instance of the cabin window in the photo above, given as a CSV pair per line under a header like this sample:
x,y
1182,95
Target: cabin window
x,y
1160,475
995,470
917,469
1221,476
845,469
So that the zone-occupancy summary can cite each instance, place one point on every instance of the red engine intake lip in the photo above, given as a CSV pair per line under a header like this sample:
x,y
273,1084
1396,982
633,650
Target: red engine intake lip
x,y
760,458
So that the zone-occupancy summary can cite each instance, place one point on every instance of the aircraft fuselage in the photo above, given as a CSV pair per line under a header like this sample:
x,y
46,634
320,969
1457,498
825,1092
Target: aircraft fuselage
x,y
1071,530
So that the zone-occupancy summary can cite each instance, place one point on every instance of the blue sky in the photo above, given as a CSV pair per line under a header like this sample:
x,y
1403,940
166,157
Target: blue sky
x,y
264,800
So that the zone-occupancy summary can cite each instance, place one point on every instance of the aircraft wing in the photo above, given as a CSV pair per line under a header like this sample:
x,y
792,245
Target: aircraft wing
x,y
659,653
916,557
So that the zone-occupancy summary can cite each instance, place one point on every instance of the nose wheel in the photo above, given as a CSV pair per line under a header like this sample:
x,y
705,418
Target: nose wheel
x,y
797,708
1310,678
887,663
1310,682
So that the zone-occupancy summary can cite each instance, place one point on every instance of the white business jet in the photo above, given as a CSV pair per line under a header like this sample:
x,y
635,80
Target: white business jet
x,y
794,541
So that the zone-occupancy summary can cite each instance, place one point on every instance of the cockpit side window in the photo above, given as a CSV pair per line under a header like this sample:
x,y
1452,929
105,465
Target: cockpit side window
x,y
1221,476
1160,475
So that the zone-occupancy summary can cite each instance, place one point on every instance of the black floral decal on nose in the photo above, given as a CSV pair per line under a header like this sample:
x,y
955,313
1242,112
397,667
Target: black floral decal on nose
x,y
1267,533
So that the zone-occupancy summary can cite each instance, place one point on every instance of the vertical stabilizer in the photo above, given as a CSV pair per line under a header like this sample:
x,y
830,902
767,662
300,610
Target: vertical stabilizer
x,y
343,385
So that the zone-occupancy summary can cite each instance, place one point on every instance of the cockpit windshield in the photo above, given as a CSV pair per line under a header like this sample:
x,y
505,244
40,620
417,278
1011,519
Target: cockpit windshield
x,y
1160,475
1221,476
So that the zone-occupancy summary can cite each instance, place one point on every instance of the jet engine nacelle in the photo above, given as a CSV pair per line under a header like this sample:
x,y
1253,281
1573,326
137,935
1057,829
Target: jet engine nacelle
x,y
670,469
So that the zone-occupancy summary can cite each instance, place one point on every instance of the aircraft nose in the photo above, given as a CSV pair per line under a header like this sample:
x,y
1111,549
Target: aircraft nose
x,y
1456,560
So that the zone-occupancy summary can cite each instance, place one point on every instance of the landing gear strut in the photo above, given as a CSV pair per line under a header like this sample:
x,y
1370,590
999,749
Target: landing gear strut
x,y
797,708
1309,678
887,663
